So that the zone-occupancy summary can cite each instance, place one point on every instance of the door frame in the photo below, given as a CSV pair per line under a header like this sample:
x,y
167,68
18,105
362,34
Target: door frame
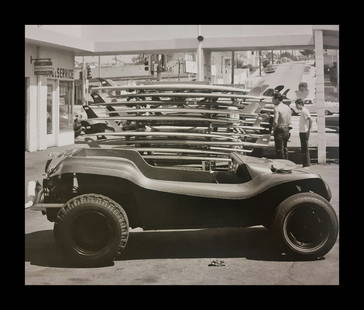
x,y
53,137
27,112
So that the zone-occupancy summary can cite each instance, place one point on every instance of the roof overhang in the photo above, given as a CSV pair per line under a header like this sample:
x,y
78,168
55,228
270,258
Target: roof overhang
x,y
147,46
281,42
48,38
292,41
330,35
81,47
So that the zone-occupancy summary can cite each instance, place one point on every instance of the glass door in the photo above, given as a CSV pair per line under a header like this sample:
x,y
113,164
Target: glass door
x,y
51,113
65,106
26,112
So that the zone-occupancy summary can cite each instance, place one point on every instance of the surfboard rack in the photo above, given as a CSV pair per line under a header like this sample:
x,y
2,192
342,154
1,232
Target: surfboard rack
x,y
182,125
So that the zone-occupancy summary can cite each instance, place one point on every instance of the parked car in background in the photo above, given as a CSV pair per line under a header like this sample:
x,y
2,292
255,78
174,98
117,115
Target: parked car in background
x,y
269,69
332,122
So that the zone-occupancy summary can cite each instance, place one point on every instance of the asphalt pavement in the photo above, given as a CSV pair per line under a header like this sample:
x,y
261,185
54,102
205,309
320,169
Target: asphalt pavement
x,y
288,74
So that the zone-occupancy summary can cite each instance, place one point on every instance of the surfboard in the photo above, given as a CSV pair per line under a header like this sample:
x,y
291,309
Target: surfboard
x,y
162,133
189,95
167,141
176,103
231,149
184,142
180,110
190,87
169,157
169,118
179,150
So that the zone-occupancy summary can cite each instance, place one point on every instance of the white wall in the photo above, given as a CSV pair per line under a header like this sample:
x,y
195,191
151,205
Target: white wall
x,y
165,32
30,50
60,58
137,32
71,30
253,30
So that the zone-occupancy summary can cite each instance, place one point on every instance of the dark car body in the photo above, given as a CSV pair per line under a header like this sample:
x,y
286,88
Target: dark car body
x,y
332,122
269,69
163,198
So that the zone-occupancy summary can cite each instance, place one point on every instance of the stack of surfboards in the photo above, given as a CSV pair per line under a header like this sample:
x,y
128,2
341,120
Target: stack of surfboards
x,y
180,124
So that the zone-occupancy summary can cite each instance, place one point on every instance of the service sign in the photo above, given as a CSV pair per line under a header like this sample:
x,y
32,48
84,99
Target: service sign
x,y
43,67
62,73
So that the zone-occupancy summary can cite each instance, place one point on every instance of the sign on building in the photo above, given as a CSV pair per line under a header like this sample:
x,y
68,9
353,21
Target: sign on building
x,y
43,67
62,73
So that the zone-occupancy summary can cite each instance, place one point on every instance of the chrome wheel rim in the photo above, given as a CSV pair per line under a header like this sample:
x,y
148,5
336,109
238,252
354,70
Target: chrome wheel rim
x,y
306,228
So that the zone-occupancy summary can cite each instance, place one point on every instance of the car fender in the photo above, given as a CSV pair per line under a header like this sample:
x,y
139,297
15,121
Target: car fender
x,y
128,170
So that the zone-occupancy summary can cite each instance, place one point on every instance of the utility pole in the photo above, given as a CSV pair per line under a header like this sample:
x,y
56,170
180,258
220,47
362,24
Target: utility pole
x,y
99,66
232,66
260,63
320,96
200,60
158,69
159,66
83,80
337,73
179,68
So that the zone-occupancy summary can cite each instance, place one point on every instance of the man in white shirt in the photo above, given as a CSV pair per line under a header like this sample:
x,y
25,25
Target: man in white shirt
x,y
281,126
305,125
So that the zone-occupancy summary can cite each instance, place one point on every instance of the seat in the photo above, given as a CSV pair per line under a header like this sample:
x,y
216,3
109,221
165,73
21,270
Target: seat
x,y
241,175
227,177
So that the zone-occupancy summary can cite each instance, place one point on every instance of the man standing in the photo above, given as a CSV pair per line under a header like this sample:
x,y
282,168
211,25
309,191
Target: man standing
x,y
304,129
281,126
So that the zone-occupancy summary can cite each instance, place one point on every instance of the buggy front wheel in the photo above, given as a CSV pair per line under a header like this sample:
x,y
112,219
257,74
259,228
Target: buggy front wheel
x,y
306,225
91,229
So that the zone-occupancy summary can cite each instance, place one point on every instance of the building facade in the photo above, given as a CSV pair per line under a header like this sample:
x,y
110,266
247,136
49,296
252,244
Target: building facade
x,y
49,99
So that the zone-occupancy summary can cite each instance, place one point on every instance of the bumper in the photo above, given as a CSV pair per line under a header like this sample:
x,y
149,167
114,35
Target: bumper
x,y
35,194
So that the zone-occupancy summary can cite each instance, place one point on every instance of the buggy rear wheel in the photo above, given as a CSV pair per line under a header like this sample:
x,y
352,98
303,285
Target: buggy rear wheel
x,y
91,229
306,225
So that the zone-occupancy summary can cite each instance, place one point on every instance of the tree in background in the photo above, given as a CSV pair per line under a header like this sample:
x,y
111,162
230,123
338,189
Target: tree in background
x,y
287,55
138,59
265,62
307,52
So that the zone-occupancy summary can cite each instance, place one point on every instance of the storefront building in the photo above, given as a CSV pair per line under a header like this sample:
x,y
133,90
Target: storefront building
x,y
49,99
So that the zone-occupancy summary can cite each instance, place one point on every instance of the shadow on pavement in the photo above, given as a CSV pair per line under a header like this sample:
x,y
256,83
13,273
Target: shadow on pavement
x,y
254,243
41,250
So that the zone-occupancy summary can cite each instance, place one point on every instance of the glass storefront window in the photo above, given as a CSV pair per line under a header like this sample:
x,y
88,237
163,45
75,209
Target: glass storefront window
x,y
331,76
49,109
65,105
